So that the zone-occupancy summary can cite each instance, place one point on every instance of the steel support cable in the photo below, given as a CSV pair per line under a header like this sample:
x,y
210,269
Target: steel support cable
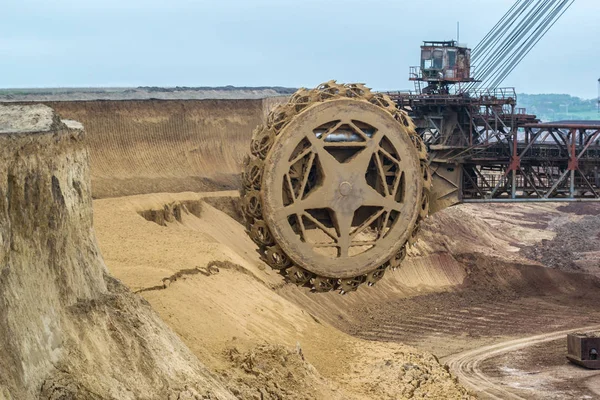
x,y
483,44
514,38
509,64
485,47
509,55
498,48
531,27
484,54
528,48
483,59
551,20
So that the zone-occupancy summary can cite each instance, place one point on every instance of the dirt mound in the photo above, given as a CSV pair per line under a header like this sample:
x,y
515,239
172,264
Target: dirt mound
x,y
67,329
152,146
576,244
223,296
276,372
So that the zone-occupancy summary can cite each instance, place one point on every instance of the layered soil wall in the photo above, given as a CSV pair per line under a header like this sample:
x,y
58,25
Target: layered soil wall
x,y
67,329
151,146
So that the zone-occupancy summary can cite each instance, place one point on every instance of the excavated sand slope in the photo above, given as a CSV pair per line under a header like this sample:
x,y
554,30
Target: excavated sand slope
x,y
200,271
70,331
152,146
67,329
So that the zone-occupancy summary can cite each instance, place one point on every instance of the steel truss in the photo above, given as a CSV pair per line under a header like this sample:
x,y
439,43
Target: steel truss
x,y
503,153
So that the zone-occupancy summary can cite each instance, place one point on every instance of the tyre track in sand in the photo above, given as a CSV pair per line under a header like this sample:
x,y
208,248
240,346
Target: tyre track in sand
x,y
467,365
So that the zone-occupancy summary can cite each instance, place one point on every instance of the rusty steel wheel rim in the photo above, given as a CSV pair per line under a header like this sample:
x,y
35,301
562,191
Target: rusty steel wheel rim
x,y
341,188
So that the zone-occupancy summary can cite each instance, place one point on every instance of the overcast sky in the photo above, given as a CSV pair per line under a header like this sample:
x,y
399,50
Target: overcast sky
x,y
74,43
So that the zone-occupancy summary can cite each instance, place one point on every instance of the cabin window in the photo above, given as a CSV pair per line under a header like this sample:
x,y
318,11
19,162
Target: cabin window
x,y
438,59
451,58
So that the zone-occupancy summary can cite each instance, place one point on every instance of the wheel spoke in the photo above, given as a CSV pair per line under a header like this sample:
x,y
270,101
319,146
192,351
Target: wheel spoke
x,y
367,222
290,187
344,144
358,130
397,180
325,158
307,169
301,156
332,129
388,155
316,199
373,198
302,227
320,225
361,161
381,173
343,224
380,234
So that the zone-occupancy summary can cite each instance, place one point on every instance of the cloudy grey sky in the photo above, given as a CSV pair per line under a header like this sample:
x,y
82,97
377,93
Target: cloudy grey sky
x,y
72,43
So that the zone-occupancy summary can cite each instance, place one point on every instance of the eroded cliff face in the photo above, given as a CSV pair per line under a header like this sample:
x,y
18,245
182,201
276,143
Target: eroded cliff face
x,y
67,329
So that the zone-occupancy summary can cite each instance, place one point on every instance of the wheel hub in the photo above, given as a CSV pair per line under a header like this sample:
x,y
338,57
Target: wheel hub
x,y
345,188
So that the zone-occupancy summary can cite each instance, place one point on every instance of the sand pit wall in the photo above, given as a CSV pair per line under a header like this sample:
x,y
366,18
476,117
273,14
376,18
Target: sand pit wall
x,y
67,329
152,146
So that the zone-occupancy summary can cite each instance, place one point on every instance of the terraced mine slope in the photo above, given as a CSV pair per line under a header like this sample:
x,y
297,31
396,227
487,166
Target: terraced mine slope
x,y
152,146
468,283
70,331
479,277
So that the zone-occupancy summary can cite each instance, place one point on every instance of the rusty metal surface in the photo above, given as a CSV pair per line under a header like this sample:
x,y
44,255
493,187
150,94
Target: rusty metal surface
x,y
336,188
584,349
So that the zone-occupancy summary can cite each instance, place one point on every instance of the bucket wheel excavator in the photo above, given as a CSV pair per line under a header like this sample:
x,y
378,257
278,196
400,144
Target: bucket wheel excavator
x,y
336,187
341,178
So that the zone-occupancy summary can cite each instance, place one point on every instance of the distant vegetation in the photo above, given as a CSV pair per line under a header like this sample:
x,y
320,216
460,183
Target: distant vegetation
x,y
558,107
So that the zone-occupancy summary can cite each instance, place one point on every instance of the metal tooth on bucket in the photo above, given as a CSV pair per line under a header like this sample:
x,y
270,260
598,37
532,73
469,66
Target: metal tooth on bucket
x,y
252,174
260,234
262,142
277,258
298,275
253,204
396,261
350,284
424,212
322,284
375,276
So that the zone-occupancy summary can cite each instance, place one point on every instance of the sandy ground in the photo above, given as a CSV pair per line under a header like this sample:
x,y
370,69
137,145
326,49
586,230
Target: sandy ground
x,y
471,281
200,272
507,305
528,368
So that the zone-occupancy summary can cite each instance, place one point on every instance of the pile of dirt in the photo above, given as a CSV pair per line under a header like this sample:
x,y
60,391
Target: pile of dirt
x,y
576,244
67,329
276,372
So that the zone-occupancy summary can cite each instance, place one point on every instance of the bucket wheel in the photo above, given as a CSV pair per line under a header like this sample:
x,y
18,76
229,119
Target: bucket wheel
x,y
336,187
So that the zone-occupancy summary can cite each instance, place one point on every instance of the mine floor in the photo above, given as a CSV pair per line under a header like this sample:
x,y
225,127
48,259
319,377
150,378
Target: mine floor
x,y
463,289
